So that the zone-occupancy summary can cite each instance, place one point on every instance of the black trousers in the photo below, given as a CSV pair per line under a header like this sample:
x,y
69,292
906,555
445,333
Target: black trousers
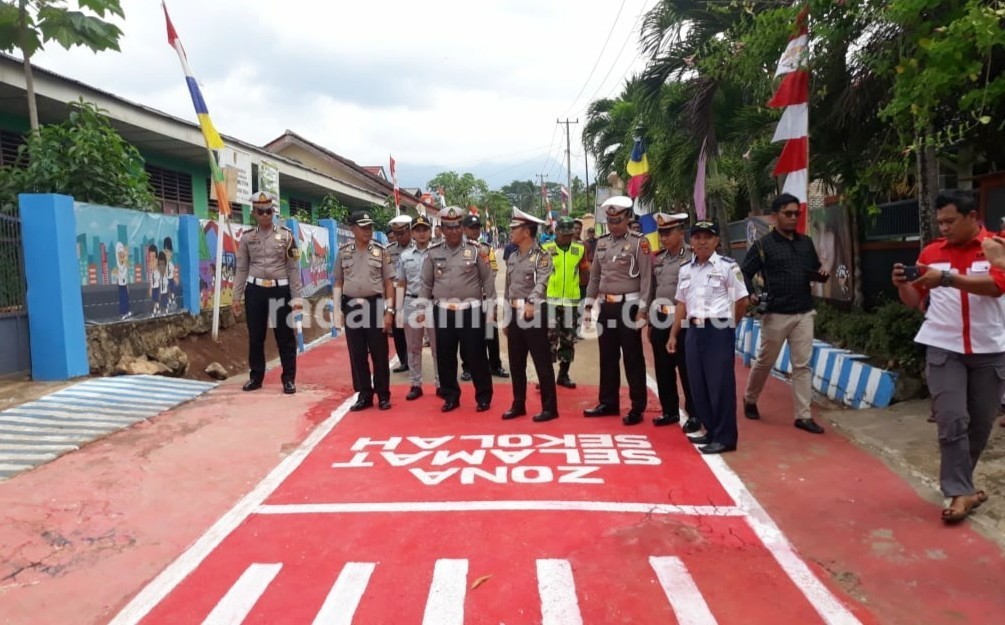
x,y
713,380
400,345
531,336
257,300
617,340
668,365
464,329
492,348
364,334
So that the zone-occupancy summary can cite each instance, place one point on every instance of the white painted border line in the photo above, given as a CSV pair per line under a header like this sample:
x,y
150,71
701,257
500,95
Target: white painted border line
x,y
237,604
499,506
343,599
445,605
827,605
557,589
155,592
685,598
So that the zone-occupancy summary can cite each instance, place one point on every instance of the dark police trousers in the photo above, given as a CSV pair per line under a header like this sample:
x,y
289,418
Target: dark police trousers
x,y
667,366
492,346
713,379
531,335
457,328
256,302
364,334
617,342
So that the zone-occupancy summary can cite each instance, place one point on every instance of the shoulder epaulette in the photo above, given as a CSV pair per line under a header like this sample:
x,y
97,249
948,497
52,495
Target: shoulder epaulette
x,y
636,234
436,244
604,236
282,227
349,245
729,260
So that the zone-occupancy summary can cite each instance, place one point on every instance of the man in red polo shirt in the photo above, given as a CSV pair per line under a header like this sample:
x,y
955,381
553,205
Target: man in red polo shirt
x,y
964,332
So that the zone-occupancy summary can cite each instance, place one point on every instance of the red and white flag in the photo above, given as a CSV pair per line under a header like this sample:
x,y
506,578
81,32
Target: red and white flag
x,y
397,193
793,95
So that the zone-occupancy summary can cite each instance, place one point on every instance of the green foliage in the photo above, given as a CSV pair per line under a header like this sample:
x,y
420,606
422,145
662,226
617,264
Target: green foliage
x,y
886,334
460,189
28,26
82,157
332,208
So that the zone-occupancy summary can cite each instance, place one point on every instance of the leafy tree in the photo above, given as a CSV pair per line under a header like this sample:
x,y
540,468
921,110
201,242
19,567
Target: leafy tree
x,y
27,25
83,157
332,208
521,193
460,189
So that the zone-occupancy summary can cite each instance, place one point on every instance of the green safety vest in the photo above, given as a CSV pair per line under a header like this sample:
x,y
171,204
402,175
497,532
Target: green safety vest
x,y
563,285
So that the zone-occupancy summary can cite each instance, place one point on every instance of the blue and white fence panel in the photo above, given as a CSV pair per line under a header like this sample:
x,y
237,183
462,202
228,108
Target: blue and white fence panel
x,y
841,375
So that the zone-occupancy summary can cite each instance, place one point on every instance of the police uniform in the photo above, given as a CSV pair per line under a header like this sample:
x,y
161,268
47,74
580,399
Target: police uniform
x,y
666,273
268,270
362,279
459,283
410,279
527,276
620,283
564,295
709,292
395,250
492,336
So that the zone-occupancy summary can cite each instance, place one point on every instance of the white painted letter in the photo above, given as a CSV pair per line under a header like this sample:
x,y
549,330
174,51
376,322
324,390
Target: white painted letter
x,y
574,475
512,457
633,441
358,460
443,457
595,440
516,440
429,443
641,456
601,456
521,475
497,475
432,478
366,441
403,460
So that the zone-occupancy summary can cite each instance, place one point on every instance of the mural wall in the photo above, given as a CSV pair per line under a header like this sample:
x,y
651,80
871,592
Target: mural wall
x,y
208,233
315,257
830,228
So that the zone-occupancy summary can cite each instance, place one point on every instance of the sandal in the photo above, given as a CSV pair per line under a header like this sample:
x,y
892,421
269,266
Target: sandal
x,y
981,498
960,508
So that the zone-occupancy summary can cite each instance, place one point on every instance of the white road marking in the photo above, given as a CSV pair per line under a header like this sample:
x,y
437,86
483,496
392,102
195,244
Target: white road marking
x,y
555,584
33,458
243,595
31,437
827,605
5,466
57,422
686,600
187,562
445,605
502,506
340,605
36,447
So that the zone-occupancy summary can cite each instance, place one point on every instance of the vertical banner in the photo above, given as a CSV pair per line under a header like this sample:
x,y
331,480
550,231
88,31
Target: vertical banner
x,y
268,179
830,228
314,259
208,245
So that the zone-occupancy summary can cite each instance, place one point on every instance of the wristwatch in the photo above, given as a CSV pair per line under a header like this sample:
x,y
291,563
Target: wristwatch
x,y
389,309
946,280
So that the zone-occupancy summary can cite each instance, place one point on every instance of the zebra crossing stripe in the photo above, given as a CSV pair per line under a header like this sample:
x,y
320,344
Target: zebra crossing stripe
x,y
557,588
143,387
342,601
685,598
445,605
24,439
22,457
35,447
104,397
62,417
56,423
72,405
242,596
28,429
155,380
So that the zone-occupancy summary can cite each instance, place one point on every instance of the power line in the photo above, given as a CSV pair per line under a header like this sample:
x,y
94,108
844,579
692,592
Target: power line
x,y
631,32
597,62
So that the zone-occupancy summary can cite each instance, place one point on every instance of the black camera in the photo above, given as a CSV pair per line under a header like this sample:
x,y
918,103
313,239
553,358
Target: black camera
x,y
762,302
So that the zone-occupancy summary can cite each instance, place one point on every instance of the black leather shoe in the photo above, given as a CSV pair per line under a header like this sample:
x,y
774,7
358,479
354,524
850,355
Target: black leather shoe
x,y
499,372
691,425
750,411
465,376
565,381
543,416
362,404
384,404
400,369
439,392
252,385
602,410
666,419
450,405
699,440
632,418
414,393
516,410
716,448
809,425
482,407
289,387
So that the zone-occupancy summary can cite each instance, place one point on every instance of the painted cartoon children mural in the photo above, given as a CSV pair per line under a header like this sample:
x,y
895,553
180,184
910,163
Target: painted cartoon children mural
x,y
122,278
161,305
171,275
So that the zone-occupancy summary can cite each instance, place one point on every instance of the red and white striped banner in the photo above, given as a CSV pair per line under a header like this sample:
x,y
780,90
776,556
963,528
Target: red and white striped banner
x,y
793,95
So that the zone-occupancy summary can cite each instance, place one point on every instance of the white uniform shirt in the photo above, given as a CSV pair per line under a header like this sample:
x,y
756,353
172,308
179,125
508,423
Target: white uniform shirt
x,y
710,290
409,271
122,275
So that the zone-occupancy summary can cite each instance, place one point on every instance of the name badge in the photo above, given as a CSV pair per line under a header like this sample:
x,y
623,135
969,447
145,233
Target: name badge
x,y
980,266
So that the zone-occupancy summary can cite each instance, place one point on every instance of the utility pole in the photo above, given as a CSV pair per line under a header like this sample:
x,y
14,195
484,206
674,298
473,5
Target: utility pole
x,y
568,159
544,204
586,180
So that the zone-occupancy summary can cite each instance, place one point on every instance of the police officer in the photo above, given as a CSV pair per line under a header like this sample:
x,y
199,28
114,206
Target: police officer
x,y
399,240
364,301
620,283
409,281
268,270
527,271
666,271
459,282
472,232
711,299
568,257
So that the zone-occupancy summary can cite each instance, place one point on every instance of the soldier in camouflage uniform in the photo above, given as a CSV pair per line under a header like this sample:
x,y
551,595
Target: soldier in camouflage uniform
x,y
570,264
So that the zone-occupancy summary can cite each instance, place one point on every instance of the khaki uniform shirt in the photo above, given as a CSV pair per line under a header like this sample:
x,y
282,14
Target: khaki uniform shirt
x,y
362,271
621,265
270,254
527,275
458,273
666,273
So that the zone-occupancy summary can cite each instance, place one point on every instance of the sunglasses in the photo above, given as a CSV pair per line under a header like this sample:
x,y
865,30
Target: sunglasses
x,y
789,214
263,211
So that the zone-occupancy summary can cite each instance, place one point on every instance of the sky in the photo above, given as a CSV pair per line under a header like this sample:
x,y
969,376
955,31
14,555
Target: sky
x,y
463,85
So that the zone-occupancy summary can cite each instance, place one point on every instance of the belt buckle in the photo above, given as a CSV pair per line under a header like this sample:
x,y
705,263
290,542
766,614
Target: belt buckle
x,y
611,299
665,309
452,306
268,283
698,322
